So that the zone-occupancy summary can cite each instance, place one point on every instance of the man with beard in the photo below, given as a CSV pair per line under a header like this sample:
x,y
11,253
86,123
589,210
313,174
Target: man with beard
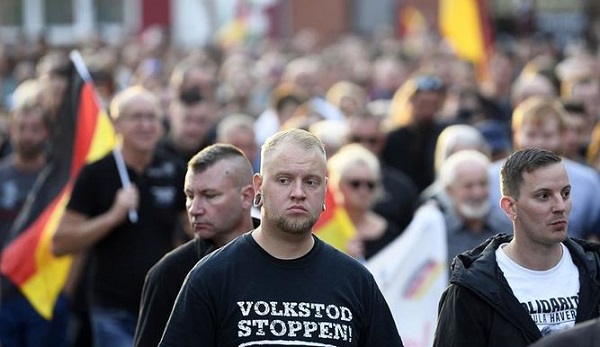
x,y
279,284
469,218
512,290
29,129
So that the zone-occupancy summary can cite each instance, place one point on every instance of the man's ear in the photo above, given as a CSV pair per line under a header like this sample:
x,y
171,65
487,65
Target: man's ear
x,y
449,191
257,181
509,206
247,194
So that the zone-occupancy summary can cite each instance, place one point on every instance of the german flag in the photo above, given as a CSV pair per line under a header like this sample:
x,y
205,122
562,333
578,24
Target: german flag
x,y
82,133
466,26
334,225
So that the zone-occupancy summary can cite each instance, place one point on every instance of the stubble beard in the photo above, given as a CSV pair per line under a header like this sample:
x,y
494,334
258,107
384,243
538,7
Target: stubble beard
x,y
295,226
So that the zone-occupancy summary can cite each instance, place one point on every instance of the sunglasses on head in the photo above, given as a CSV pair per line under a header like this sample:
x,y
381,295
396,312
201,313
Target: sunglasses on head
x,y
371,140
355,184
429,84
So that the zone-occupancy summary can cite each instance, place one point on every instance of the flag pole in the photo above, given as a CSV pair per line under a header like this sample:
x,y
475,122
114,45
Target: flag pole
x,y
83,71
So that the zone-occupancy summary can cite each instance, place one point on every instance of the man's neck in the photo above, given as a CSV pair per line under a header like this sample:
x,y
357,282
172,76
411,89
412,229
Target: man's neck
x,y
534,257
247,225
283,245
135,159
28,164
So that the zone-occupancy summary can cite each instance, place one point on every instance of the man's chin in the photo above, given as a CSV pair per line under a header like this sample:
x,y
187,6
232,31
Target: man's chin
x,y
204,234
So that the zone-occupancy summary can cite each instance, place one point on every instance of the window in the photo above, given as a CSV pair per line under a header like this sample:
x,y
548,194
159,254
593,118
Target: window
x,y
109,11
59,12
11,13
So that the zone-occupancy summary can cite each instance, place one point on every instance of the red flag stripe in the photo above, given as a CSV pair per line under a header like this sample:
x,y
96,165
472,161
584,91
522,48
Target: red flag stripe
x,y
86,124
14,263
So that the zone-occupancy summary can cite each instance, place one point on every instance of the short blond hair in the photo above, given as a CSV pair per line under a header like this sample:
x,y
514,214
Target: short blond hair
x,y
306,140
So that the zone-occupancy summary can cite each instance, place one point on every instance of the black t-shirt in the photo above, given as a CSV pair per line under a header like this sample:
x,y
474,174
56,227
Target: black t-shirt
x,y
162,284
121,259
241,295
411,149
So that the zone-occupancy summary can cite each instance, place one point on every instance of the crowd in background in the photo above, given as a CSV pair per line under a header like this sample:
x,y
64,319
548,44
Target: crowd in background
x,y
411,103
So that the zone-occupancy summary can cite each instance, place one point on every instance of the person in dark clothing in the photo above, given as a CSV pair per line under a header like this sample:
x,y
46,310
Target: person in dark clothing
x,y
97,217
219,194
586,334
512,290
279,284
410,147
191,126
21,325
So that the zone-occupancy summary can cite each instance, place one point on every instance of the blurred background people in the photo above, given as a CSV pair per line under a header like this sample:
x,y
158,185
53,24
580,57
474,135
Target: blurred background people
x,y
452,139
355,178
413,113
470,220
191,123
399,194
29,135
238,130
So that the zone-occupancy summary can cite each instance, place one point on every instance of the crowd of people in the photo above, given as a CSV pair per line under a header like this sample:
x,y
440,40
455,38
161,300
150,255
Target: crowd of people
x,y
260,126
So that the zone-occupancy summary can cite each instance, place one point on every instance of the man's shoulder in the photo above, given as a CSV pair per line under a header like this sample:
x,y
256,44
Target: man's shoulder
x,y
104,163
225,256
178,258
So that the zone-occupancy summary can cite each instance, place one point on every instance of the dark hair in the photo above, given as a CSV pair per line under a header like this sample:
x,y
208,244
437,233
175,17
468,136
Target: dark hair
x,y
574,107
212,154
190,96
525,160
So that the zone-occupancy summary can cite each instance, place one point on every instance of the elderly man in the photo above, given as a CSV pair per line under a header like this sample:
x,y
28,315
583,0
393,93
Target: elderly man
x,y
469,218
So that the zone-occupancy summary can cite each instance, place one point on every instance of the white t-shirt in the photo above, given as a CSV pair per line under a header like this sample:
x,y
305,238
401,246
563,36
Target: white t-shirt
x,y
550,297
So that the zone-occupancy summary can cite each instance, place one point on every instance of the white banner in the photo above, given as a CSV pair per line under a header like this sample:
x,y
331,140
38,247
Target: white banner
x,y
412,273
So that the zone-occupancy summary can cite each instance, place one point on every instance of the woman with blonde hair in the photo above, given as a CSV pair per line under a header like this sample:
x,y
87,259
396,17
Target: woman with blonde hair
x,y
355,178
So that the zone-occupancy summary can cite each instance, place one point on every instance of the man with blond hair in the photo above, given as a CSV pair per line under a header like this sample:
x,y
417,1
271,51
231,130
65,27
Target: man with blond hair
x,y
279,284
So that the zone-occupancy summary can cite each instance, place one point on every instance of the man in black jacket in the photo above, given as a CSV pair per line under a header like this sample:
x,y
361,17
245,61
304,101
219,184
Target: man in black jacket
x,y
219,192
586,334
512,290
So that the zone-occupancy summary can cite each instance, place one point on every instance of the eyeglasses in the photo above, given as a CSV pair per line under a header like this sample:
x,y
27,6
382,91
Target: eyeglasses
x,y
357,183
139,117
371,140
429,84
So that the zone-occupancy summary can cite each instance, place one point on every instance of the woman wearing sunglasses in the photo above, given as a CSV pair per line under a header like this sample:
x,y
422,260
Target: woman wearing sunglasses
x,y
355,179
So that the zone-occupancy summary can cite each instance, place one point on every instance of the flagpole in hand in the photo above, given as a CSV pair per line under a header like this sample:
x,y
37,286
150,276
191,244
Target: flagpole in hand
x,y
133,216
77,60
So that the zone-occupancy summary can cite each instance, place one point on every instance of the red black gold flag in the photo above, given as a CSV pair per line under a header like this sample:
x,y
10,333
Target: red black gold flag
x,y
82,133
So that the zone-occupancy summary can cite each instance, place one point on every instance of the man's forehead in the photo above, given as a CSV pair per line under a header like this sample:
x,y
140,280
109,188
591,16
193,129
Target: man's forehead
x,y
536,178
281,159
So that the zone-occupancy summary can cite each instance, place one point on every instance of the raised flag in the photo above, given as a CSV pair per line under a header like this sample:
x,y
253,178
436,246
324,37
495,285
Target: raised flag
x,y
82,133
334,226
466,25
412,273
